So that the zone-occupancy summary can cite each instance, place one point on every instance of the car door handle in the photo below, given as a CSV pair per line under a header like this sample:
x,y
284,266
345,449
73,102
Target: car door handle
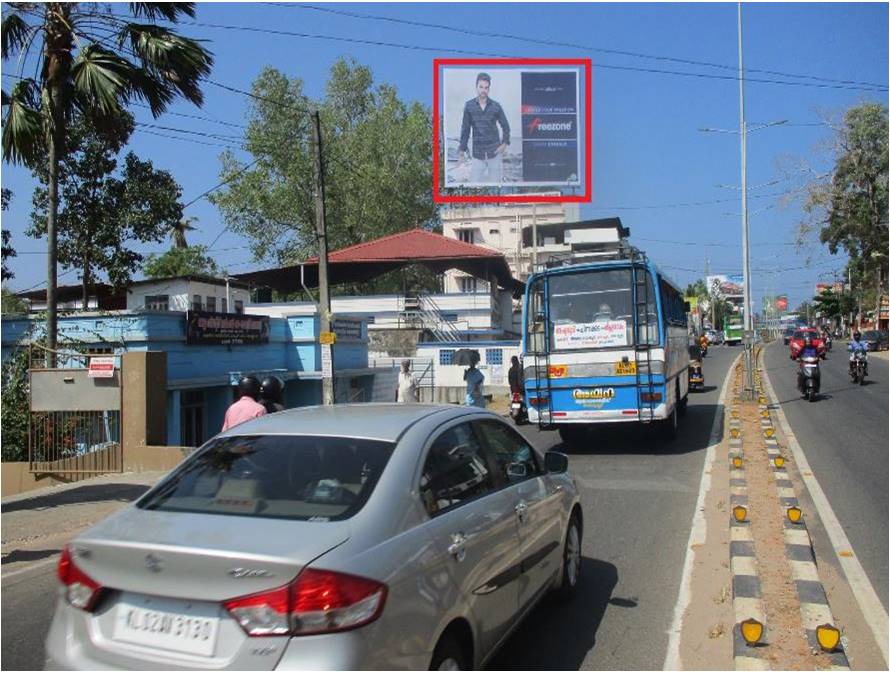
x,y
458,546
521,510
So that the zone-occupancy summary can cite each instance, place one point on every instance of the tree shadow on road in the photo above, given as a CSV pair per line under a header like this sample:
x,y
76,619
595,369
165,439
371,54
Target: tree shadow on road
x,y
80,495
26,556
558,635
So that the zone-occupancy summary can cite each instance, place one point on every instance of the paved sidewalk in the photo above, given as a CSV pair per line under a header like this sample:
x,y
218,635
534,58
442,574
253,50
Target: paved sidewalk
x,y
36,524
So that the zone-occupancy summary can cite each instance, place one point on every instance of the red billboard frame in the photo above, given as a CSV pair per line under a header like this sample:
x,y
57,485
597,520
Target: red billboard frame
x,y
439,197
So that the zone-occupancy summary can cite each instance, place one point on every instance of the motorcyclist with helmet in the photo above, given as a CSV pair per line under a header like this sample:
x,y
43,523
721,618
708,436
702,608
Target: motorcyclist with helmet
x,y
808,356
857,346
247,406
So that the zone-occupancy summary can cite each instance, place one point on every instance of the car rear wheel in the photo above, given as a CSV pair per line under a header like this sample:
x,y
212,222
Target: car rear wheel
x,y
449,655
571,560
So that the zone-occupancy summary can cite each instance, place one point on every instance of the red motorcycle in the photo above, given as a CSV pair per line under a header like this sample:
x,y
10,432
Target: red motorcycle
x,y
518,410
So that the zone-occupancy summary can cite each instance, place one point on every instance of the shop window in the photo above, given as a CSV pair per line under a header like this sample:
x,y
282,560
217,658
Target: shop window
x,y
445,356
494,356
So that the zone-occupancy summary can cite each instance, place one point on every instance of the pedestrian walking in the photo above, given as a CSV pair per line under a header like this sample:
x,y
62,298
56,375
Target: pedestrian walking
x,y
246,408
270,394
474,379
407,390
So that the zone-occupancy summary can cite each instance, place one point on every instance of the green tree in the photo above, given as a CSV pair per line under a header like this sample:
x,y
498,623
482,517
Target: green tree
x,y
7,251
377,164
179,229
92,59
192,260
9,303
850,209
832,305
99,211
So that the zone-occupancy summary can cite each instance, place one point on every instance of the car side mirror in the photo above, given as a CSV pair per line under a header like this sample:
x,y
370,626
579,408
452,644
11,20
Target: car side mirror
x,y
556,462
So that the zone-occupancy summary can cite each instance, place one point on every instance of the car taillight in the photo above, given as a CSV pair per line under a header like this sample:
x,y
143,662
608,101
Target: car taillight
x,y
538,401
81,590
651,397
516,397
317,601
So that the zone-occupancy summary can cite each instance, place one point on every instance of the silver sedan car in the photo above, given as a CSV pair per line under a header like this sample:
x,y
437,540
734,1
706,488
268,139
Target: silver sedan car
x,y
347,537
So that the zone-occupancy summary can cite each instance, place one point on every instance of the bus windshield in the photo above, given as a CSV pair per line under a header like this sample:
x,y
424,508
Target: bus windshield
x,y
589,309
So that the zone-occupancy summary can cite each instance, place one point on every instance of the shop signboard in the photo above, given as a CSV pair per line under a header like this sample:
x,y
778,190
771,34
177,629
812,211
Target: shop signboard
x,y
204,328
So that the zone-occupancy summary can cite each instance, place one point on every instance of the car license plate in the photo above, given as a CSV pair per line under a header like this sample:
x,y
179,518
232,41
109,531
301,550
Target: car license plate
x,y
516,405
625,368
169,624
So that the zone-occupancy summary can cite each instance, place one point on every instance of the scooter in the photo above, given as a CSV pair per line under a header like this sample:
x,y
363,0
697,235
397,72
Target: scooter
x,y
809,377
518,410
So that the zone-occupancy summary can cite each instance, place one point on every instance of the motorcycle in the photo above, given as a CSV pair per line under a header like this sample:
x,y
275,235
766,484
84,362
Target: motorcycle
x,y
704,350
809,377
826,339
518,410
859,367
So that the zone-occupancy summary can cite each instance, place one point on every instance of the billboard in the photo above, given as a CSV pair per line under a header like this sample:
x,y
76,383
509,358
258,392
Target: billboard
x,y
725,286
782,303
511,123
837,288
225,329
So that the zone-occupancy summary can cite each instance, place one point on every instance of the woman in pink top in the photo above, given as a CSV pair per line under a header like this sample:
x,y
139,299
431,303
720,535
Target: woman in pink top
x,y
247,407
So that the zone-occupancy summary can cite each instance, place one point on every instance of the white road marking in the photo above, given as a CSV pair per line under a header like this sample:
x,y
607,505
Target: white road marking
x,y
804,570
864,593
751,664
698,532
814,614
740,534
744,565
746,608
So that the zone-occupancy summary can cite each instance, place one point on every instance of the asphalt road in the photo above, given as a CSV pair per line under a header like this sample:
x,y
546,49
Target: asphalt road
x,y
844,436
638,496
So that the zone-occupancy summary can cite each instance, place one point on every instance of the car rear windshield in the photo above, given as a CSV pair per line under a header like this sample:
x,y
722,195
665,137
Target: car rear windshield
x,y
302,478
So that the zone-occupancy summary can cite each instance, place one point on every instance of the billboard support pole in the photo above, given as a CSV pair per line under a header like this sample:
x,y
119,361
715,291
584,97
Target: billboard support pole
x,y
324,295
746,263
534,237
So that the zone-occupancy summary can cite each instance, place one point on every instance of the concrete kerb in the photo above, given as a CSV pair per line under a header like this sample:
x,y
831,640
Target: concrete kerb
x,y
863,592
801,557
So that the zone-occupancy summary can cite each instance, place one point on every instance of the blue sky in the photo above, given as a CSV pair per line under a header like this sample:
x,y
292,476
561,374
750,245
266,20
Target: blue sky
x,y
649,158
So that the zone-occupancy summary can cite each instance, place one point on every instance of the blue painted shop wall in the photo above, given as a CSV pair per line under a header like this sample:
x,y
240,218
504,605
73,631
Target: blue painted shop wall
x,y
293,352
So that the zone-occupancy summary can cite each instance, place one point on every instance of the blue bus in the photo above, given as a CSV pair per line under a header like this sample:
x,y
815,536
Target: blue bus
x,y
604,340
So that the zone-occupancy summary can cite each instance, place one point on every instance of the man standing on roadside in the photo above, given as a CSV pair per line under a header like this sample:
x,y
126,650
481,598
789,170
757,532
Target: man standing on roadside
x,y
406,390
247,407
482,115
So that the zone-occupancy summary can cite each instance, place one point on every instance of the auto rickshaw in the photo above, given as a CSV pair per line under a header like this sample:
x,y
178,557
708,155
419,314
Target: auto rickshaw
x,y
696,375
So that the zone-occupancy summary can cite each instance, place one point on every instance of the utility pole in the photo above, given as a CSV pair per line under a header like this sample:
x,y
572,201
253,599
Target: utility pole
x,y
324,296
534,237
746,262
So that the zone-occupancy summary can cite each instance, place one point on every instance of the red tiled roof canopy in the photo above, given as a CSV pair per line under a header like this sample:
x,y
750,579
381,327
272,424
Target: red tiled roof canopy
x,y
364,261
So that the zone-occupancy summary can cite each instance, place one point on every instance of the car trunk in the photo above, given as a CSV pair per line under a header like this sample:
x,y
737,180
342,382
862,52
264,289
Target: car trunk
x,y
178,568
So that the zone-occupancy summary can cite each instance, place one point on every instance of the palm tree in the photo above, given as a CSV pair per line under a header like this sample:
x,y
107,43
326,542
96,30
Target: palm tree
x,y
178,230
90,59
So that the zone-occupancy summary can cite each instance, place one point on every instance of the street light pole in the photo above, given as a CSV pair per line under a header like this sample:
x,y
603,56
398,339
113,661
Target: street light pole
x,y
746,262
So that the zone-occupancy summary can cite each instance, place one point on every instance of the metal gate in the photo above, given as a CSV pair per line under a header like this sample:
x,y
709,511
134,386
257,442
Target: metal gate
x,y
74,421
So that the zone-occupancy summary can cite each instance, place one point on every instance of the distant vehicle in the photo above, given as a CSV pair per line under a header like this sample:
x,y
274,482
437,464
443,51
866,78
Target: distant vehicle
x,y
796,343
787,334
695,373
732,333
875,340
714,336
367,536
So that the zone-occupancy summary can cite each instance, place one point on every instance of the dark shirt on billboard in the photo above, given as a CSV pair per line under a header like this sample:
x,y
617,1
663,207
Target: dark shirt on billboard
x,y
485,130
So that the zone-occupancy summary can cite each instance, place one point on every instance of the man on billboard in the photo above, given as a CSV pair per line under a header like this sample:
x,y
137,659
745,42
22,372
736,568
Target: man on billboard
x,y
482,115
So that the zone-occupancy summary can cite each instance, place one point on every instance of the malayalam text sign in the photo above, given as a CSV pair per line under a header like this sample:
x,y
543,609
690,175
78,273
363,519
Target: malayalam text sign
x,y
101,368
601,334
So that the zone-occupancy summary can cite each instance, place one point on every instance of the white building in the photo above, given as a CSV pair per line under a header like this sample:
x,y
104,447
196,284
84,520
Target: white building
x,y
184,293
500,227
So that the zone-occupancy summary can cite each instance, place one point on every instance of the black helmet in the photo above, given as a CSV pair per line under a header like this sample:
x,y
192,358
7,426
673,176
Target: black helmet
x,y
808,339
271,389
249,386
856,335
